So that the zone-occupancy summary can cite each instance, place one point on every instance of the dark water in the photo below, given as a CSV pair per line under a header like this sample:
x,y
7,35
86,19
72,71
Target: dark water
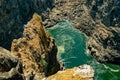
x,y
72,51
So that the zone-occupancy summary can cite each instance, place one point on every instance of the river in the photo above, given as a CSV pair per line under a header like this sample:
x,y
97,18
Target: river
x,y
72,51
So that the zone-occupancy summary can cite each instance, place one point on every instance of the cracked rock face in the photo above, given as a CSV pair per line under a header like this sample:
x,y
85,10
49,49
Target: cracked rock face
x,y
36,49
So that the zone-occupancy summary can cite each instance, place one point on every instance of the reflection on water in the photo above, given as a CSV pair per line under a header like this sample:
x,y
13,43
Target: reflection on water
x,y
72,51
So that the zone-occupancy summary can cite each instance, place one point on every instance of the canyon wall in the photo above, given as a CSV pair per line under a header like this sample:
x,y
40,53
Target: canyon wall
x,y
106,10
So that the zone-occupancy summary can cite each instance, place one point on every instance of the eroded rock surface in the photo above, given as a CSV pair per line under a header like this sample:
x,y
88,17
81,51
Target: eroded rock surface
x,y
36,49
84,72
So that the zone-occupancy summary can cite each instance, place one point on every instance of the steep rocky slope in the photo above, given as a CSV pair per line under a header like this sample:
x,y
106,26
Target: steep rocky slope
x,y
36,49
14,14
98,19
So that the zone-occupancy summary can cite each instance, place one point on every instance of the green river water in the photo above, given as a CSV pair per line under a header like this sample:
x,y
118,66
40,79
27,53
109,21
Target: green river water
x,y
72,51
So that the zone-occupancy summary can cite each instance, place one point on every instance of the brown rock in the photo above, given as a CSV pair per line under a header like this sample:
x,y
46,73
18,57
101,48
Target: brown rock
x,y
36,49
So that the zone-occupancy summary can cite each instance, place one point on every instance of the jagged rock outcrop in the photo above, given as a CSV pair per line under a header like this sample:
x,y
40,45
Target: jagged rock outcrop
x,y
14,14
10,66
36,49
84,72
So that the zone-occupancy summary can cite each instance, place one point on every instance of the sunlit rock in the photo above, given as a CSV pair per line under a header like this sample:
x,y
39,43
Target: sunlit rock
x,y
84,72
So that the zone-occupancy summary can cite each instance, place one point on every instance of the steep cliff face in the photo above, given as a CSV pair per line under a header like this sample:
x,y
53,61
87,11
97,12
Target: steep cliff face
x,y
36,49
15,13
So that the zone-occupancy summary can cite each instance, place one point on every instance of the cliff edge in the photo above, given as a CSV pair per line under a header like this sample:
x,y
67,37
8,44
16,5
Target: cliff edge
x,y
36,49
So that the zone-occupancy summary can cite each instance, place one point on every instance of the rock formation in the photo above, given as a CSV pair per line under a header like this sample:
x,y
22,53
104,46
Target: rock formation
x,y
10,66
84,72
104,44
14,14
36,49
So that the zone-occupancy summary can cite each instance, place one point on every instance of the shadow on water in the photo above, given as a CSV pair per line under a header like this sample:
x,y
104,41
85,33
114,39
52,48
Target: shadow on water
x,y
72,51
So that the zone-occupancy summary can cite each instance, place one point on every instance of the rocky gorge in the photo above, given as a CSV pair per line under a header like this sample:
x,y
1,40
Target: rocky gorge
x,y
98,19
32,52
33,56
